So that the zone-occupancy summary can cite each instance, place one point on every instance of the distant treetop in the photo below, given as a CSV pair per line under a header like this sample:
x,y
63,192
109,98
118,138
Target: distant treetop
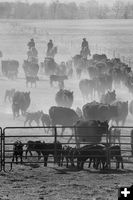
x,y
57,10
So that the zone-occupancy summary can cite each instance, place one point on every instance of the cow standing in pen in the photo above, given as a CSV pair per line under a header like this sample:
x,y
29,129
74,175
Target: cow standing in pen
x,y
17,151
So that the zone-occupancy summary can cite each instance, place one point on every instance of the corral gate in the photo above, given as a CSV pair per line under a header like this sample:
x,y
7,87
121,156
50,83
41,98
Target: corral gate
x,y
10,134
1,149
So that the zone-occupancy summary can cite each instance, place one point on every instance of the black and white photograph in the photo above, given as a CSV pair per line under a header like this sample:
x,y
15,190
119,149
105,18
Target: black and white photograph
x,y
66,99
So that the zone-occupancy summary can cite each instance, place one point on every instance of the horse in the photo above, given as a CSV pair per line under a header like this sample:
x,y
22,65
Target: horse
x,y
51,53
85,52
30,69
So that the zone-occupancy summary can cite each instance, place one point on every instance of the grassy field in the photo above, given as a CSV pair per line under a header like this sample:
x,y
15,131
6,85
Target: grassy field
x,y
52,183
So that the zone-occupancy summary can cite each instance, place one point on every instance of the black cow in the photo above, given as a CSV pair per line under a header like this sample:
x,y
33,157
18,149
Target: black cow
x,y
51,148
62,116
89,131
115,152
10,68
21,101
59,79
33,146
64,98
17,151
92,152
87,88
68,154
117,111
99,57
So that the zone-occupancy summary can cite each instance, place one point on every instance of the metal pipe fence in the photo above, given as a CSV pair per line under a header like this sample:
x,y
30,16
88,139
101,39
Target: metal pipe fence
x,y
10,134
1,149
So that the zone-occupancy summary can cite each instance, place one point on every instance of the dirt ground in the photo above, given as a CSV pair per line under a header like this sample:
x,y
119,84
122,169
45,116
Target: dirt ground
x,y
54,183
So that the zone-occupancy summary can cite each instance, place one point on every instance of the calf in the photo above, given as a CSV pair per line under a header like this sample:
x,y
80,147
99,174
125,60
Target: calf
x,y
68,154
17,151
33,116
33,146
92,152
59,79
51,148
115,152
9,94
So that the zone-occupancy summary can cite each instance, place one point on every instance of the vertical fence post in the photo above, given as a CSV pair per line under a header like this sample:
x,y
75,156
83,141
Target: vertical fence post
x,y
55,146
108,131
131,142
1,149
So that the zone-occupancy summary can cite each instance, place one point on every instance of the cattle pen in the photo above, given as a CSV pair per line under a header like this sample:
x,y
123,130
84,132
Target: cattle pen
x,y
10,134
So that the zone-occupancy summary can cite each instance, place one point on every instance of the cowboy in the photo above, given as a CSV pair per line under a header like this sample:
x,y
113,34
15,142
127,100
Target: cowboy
x,y
84,44
49,46
34,55
31,43
85,51
34,52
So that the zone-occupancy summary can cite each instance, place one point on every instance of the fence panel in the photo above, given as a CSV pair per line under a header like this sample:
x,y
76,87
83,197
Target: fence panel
x,y
54,134
125,141
1,136
24,134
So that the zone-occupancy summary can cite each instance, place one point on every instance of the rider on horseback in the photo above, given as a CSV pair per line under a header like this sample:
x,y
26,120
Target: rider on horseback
x,y
84,44
49,46
32,52
31,43
34,55
85,51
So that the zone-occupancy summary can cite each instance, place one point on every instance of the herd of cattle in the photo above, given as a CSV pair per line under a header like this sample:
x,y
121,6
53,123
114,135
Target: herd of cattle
x,y
88,123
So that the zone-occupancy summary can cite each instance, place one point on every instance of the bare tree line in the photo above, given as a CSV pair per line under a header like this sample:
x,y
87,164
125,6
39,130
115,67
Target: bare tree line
x,y
56,10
